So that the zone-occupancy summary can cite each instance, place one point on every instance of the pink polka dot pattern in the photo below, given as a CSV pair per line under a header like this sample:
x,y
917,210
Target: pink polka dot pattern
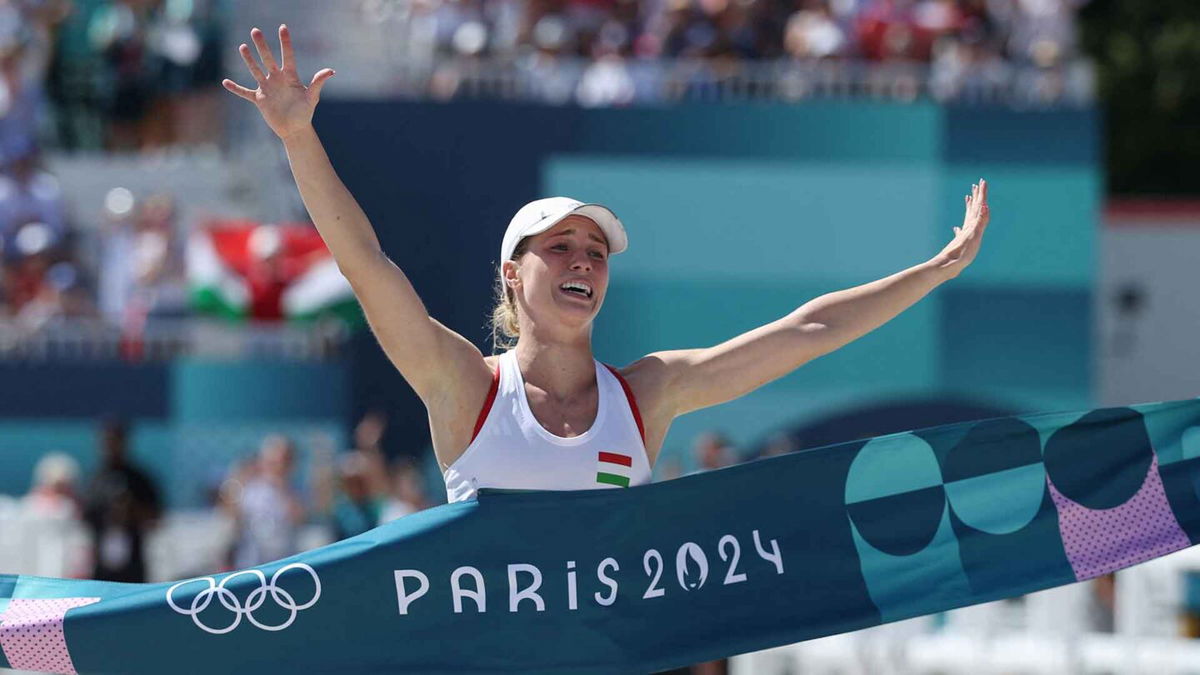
x,y
1101,541
31,633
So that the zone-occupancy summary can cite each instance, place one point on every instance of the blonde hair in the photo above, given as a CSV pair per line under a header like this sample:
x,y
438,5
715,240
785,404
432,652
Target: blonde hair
x,y
505,328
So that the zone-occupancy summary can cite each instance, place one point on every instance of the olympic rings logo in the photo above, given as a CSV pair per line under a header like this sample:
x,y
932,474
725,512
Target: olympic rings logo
x,y
253,602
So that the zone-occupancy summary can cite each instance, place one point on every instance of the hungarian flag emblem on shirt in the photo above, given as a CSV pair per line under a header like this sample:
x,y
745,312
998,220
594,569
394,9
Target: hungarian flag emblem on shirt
x,y
248,270
613,469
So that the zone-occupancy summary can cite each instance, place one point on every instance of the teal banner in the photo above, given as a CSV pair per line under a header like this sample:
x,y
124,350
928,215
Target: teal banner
x,y
649,578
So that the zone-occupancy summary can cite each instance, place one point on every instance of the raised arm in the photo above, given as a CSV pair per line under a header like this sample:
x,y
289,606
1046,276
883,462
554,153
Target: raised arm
x,y
690,379
436,361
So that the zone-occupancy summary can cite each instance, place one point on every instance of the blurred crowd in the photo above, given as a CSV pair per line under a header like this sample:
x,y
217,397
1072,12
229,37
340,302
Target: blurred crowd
x,y
97,75
109,74
1040,32
38,278
127,75
117,506
271,506
286,496
347,493
130,266
965,44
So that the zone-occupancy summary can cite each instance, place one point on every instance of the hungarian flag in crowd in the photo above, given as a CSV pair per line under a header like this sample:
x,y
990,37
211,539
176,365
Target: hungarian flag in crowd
x,y
249,270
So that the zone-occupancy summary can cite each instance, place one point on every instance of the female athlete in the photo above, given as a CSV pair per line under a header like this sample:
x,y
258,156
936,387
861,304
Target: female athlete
x,y
545,414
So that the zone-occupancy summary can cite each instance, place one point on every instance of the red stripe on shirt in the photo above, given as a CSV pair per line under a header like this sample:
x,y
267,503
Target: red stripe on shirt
x,y
614,458
637,415
487,404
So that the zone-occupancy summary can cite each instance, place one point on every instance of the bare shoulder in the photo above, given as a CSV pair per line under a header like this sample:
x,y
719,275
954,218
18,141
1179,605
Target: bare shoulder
x,y
453,413
652,379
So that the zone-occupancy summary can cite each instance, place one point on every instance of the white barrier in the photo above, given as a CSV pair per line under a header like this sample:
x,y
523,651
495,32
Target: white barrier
x,y
184,544
44,546
1049,632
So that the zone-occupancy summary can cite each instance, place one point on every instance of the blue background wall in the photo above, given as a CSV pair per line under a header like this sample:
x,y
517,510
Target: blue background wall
x,y
189,420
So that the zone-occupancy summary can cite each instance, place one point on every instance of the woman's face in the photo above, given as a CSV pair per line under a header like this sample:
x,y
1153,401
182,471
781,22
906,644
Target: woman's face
x,y
574,250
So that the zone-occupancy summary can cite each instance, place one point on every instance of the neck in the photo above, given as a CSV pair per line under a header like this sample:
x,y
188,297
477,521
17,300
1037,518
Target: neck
x,y
561,369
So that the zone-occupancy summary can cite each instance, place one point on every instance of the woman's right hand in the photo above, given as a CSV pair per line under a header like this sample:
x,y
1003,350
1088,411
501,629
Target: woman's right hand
x,y
285,103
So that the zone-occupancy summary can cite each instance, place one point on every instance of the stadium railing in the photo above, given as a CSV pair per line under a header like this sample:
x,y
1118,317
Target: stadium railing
x,y
162,339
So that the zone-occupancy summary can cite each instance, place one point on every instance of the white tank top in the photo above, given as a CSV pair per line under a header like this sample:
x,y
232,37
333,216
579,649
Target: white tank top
x,y
512,450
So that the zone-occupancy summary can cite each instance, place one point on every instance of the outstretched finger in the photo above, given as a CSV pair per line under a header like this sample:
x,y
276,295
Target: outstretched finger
x,y
983,189
264,51
238,89
286,54
319,80
251,64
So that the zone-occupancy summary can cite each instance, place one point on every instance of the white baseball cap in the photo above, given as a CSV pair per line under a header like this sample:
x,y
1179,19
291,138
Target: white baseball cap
x,y
542,214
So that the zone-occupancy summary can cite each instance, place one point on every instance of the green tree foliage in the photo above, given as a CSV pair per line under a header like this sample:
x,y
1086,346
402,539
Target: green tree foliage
x,y
1148,57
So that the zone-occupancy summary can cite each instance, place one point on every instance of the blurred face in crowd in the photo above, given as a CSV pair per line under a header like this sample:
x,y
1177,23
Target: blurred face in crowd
x,y
156,213
573,250
355,484
275,458
712,451
24,166
406,484
113,444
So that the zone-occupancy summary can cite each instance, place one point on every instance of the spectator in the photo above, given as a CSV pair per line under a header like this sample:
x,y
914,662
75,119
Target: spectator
x,y
265,506
33,23
713,451
1101,608
60,295
77,82
121,508
21,99
142,271
53,509
967,66
607,82
24,275
55,491
29,194
33,231
781,443
362,497
546,70
160,285
407,493
1043,31
351,489
360,493
119,32
888,31
270,271
688,32
668,468
182,43
116,245
814,33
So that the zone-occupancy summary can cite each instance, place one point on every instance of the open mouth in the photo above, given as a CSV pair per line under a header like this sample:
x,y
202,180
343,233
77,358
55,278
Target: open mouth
x,y
576,289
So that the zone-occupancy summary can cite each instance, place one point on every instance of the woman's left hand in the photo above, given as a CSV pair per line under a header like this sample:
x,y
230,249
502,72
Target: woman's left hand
x,y
959,253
